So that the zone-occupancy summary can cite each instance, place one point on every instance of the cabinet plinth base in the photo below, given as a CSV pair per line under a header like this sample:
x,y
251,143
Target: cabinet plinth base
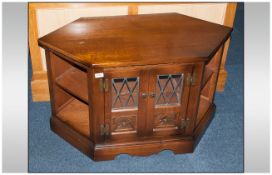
x,y
102,152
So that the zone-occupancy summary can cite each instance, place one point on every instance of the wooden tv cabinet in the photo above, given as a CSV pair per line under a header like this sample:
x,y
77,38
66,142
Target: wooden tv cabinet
x,y
133,84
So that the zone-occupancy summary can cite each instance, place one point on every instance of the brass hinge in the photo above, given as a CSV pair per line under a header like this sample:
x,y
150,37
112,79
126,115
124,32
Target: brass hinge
x,y
184,123
191,80
104,84
104,130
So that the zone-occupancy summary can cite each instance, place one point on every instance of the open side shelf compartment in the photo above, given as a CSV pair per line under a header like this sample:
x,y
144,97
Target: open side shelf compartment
x,y
206,96
71,95
74,82
76,115
208,86
204,105
207,76
70,78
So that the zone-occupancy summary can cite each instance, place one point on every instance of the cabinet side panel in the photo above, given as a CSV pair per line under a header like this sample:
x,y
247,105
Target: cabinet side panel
x,y
51,76
208,91
96,106
215,67
194,97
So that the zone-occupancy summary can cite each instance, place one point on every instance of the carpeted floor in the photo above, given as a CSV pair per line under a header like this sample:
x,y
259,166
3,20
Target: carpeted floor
x,y
220,150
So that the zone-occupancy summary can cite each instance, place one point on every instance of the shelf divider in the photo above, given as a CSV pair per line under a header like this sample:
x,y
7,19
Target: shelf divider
x,y
74,82
76,115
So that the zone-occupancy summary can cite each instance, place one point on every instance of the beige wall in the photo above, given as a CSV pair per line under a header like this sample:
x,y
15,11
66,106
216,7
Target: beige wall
x,y
206,11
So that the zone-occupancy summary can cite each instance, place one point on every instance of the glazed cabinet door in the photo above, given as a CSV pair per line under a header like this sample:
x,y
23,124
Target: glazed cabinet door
x,y
169,88
124,109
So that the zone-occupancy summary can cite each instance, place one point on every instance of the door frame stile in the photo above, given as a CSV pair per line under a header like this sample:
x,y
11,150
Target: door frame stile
x,y
194,97
96,103
143,106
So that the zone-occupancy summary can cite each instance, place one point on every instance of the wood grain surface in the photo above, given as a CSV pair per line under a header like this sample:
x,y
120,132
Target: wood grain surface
x,y
136,40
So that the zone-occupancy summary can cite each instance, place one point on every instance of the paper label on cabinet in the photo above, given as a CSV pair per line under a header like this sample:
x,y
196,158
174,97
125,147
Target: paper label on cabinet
x,y
99,75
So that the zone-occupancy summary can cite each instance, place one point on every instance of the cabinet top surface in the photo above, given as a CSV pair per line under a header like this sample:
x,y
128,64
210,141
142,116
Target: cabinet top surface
x,y
137,40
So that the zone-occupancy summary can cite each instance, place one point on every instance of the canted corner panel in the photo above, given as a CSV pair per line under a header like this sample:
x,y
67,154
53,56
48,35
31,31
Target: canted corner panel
x,y
213,12
49,20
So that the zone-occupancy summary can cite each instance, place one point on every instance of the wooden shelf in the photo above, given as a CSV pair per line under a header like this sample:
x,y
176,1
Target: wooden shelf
x,y
207,76
76,114
74,82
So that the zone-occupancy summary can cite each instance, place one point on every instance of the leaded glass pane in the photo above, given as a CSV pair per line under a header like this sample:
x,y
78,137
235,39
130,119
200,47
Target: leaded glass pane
x,y
125,93
169,89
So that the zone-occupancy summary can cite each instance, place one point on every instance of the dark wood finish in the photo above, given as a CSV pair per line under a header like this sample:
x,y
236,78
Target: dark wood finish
x,y
144,149
51,76
39,83
76,115
203,124
96,106
71,136
74,81
209,85
136,40
192,107
165,120
114,93
206,77
124,122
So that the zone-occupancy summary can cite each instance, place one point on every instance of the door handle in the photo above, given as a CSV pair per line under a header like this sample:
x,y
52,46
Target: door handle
x,y
184,123
144,95
152,94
